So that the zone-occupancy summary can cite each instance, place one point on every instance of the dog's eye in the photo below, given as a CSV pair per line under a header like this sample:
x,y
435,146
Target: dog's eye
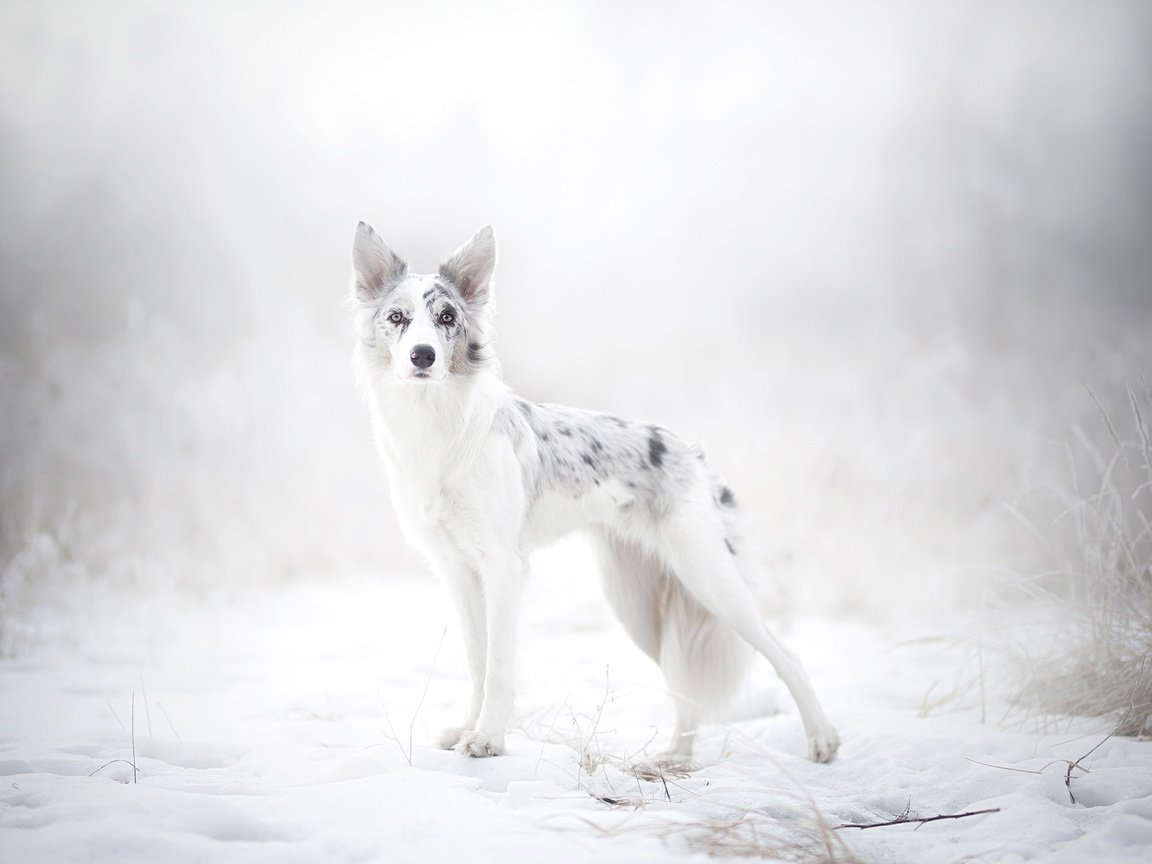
x,y
396,317
447,317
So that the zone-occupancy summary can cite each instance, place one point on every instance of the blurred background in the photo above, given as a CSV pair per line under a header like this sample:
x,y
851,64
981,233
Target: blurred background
x,y
873,256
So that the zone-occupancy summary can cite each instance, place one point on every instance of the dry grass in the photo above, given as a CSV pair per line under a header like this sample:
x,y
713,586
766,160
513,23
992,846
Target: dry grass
x,y
807,842
657,798
1092,652
802,836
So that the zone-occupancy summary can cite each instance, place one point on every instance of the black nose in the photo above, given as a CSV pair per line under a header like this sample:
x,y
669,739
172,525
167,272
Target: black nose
x,y
423,356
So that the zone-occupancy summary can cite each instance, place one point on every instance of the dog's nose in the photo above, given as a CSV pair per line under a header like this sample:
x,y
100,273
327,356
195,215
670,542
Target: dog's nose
x,y
423,356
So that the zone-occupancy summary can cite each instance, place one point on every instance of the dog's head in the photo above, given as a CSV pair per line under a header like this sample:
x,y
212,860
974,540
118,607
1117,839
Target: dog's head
x,y
424,327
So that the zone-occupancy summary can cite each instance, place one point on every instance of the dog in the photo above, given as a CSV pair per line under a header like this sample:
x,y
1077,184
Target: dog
x,y
480,478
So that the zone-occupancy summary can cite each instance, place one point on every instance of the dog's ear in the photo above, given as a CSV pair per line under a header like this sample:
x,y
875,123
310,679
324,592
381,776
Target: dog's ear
x,y
376,266
471,266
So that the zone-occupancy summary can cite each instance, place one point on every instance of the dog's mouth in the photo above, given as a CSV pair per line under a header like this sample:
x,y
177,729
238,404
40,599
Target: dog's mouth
x,y
421,375
424,376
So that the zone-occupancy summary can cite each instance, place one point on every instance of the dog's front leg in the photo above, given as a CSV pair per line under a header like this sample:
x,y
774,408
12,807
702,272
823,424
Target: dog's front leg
x,y
502,580
463,583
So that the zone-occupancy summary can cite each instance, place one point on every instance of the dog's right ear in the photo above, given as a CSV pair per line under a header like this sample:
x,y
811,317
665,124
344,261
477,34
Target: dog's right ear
x,y
376,266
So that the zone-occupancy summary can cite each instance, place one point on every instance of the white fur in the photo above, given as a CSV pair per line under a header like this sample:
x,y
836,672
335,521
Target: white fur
x,y
480,478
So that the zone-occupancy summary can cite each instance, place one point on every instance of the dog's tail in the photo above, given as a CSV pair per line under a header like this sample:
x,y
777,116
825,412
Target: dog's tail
x,y
702,658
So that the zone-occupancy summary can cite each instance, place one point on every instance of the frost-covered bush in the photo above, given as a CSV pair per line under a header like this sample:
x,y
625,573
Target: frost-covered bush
x,y
1093,653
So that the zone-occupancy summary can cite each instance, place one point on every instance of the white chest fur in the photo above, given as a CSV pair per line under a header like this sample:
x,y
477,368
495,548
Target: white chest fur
x,y
453,482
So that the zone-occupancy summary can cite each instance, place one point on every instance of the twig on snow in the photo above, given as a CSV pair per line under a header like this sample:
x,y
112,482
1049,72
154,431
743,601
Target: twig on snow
x,y
424,694
407,754
135,773
160,705
1100,743
1071,763
108,702
906,820
110,762
147,711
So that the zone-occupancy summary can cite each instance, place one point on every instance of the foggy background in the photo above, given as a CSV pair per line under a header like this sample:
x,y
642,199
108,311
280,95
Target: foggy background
x,y
871,255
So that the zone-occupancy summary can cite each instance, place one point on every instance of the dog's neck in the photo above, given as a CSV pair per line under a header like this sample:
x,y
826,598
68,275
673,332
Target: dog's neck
x,y
419,420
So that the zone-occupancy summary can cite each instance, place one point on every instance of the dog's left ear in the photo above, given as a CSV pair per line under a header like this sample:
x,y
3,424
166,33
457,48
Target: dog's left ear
x,y
471,266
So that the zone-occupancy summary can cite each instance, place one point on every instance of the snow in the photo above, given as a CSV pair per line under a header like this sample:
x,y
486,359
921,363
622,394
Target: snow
x,y
293,723
868,256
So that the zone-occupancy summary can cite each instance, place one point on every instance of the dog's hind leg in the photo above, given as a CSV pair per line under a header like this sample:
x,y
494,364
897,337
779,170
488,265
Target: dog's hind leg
x,y
702,658
694,543
632,583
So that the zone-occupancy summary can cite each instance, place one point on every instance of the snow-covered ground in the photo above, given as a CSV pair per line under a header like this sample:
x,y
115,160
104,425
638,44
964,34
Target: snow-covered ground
x,y
293,724
868,254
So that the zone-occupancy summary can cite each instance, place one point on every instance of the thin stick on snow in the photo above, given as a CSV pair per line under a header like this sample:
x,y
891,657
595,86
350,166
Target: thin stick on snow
x,y
907,820
587,762
110,762
135,778
1071,763
147,712
108,702
983,695
1017,770
424,695
164,711
1076,764
407,754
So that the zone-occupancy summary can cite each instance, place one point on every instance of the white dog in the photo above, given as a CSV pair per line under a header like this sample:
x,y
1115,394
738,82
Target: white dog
x,y
480,478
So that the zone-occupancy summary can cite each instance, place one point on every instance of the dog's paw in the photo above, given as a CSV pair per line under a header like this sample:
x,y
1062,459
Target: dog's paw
x,y
477,744
823,744
450,737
